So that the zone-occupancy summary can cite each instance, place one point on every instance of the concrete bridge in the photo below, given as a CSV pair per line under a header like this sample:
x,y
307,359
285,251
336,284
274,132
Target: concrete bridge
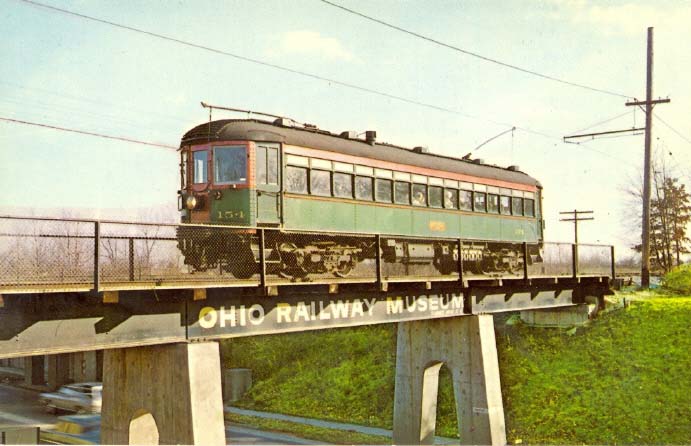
x,y
84,285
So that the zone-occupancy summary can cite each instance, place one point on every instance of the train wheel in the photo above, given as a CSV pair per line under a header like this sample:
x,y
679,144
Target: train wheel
x,y
446,267
241,270
345,268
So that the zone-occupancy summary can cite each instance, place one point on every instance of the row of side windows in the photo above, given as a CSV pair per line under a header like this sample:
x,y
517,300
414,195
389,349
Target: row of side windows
x,y
327,183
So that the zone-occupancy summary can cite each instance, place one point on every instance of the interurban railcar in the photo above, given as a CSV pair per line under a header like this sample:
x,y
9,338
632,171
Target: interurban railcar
x,y
253,173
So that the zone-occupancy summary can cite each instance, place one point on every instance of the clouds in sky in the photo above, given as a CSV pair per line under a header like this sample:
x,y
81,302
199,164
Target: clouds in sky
x,y
312,43
624,18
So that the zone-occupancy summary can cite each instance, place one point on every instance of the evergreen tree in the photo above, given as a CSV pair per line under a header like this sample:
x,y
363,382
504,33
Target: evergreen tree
x,y
670,214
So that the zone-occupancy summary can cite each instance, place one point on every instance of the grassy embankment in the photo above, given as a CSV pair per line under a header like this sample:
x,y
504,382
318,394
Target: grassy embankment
x,y
624,379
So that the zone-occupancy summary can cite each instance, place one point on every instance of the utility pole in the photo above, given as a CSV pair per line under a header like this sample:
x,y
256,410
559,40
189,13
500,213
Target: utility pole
x,y
576,218
649,102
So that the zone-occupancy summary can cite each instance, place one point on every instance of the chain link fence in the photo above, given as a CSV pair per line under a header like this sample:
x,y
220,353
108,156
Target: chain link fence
x,y
594,260
49,253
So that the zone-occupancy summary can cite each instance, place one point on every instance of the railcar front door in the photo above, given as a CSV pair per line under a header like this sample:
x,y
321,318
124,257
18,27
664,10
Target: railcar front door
x,y
267,175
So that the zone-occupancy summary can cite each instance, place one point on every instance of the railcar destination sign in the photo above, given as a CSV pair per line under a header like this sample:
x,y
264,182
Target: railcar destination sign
x,y
314,311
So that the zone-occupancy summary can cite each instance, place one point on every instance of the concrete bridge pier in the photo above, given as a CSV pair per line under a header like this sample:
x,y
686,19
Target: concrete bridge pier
x,y
163,394
466,345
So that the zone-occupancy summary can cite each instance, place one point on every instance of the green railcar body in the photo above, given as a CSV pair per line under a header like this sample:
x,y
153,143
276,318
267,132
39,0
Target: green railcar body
x,y
329,215
254,203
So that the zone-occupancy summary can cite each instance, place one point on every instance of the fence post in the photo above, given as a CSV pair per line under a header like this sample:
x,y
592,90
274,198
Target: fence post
x,y
525,261
97,243
574,260
378,257
614,270
262,261
131,258
460,261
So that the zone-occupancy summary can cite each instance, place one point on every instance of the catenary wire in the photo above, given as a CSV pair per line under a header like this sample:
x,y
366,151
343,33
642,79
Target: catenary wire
x,y
470,53
601,122
97,102
681,135
84,132
285,69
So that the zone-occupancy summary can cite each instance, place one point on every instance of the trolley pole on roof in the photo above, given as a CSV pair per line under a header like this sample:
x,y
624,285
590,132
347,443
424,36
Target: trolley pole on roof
x,y
576,218
649,102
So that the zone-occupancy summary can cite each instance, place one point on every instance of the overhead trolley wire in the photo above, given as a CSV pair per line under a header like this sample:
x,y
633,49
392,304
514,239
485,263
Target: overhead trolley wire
x,y
681,135
283,68
473,54
602,122
84,132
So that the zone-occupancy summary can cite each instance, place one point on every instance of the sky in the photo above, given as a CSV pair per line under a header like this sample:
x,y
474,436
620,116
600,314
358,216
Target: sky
x,y
67,71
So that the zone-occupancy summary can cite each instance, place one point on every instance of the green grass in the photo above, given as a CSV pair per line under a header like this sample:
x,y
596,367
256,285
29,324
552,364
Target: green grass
x,y
625,379
309,432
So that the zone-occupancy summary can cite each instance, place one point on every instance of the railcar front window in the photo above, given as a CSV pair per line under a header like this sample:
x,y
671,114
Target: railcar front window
x,y
465,199
529,207
200,163
363,188
230,165
296,179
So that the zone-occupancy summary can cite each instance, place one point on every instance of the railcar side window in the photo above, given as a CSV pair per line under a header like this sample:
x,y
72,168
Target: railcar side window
x,y
296,179
493,203
343,185
200,167
419,195
267,165
517,205
505,205
260,161
383,190
363,188
230,165
402,192
320,182
435,196
451,198
465,199
480,202
529,207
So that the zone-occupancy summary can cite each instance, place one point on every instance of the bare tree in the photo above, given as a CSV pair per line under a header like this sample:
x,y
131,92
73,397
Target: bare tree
x,y
669,217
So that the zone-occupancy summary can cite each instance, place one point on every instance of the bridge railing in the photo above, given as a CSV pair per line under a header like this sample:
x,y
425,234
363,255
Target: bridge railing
x,y
53,254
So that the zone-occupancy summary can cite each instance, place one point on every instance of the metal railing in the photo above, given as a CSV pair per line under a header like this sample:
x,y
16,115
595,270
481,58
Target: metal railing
x,y
54,254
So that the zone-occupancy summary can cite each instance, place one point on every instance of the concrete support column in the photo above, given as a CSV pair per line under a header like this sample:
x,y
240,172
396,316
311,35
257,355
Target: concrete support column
x,y
163,394
34,370
58,370
466,345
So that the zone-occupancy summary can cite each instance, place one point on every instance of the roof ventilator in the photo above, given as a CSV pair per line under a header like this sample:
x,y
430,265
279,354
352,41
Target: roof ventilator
x,y
514,168
420,149
370,137
479,161
348,134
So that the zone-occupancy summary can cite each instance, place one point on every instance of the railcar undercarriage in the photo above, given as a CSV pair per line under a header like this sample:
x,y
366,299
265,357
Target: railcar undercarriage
x,y
296,256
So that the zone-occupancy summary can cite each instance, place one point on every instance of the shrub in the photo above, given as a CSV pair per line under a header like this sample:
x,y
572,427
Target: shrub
x,y
678,280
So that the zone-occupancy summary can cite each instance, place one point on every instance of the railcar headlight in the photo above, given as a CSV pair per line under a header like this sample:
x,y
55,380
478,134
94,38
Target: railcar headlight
x,y
190,202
